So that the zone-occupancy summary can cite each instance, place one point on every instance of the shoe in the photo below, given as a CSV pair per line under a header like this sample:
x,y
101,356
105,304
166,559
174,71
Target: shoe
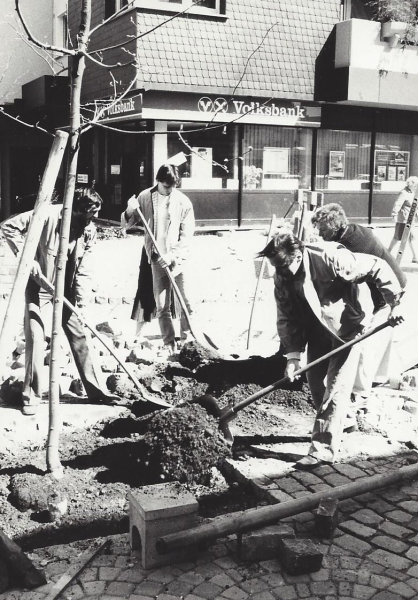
x,y
29,410
359,402
167,351
310,462
350,425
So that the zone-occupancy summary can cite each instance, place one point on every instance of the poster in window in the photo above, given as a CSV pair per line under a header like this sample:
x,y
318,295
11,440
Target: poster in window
x,y
381,173
336,163
201,163
392,173
275,160
401,173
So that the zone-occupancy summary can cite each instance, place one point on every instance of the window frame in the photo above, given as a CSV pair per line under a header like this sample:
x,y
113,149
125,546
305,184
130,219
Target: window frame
x,y
166,6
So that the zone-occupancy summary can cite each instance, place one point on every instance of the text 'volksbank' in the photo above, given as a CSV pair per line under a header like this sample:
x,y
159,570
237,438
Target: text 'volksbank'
x,y
240,107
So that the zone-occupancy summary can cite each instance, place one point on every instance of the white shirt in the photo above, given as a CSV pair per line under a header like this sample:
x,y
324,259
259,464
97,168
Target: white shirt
x,y
162,222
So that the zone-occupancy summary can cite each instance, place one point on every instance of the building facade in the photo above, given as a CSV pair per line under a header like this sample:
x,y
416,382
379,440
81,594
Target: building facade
x,y
256,102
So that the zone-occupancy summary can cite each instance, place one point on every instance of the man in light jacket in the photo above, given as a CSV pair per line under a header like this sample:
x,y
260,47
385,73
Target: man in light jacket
x,y
319,306
169,213
86,205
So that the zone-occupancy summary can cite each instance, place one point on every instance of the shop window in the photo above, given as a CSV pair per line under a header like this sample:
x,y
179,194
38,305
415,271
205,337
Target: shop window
x,y
210,155
208,7
276,158
396,158
343,160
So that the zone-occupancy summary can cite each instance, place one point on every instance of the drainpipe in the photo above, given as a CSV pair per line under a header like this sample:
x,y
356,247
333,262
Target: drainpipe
x,y
240,171
372,165
313,158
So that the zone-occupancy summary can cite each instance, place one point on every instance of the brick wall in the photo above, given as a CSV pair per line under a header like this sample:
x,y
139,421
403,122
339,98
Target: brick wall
x,y
8,267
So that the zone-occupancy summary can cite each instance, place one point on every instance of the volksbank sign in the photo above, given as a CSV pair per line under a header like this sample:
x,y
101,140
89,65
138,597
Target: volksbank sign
x,y
123,108
229,109
240,107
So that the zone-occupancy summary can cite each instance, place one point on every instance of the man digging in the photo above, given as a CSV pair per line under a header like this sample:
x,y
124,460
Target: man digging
x,y
86,205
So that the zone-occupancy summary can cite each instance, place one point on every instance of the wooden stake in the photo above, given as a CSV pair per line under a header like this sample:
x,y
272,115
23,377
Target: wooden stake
x,y
31,243
268,515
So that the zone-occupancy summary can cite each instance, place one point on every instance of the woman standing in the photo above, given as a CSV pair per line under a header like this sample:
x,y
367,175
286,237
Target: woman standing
x,y
400,213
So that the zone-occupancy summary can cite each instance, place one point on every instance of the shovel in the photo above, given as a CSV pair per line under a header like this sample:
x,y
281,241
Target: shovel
x,y
229,412
199,336
157,401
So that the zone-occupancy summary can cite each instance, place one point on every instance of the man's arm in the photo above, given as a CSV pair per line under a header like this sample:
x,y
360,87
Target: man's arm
x,y
15,229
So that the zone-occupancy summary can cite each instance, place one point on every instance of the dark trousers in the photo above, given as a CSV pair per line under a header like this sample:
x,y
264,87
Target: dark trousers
x,y
35,342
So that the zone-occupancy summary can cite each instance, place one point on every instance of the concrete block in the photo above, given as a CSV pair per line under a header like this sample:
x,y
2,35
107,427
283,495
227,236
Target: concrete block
x,y
300,556
263,544
326,517
158,510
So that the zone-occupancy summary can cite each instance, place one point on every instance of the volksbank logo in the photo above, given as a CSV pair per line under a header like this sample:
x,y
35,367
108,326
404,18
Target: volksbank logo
x,y
240,107
121,107
207,105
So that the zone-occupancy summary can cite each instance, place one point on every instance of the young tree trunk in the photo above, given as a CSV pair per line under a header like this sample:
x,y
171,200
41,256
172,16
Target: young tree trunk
x,y
31,243
76,74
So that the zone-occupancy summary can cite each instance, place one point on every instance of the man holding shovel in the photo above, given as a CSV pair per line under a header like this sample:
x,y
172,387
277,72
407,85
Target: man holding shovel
x,y
332,224
86,205
169,216
319,306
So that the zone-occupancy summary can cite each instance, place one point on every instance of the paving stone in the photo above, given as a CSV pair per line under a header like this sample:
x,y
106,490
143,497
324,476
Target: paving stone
x,y
149,588
335,479
413,583
132,575
387,559
389,544
409,505
403,590
223,580
262,596
349,542
363,592
357,529
349,505
208,590
380,582
367,517
191,577
413,571
349,470
103,560
92,588
344,575
287,592
363,577
322,588
413,554
300,556
89,574
235,593
394,529
179,588
290,485
273,579
386,595
109,573
305,478
326,517
263,544
344,589
209,570
254,586
303,590
321,487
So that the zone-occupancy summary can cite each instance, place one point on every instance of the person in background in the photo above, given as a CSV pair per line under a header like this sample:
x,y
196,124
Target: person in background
x,y
400,213
319,306
332,224
170,216
86,205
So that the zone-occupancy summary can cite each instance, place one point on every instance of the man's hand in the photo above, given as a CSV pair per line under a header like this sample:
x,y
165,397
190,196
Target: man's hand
x,y
36,270
131,207
395,317
293,364
165,261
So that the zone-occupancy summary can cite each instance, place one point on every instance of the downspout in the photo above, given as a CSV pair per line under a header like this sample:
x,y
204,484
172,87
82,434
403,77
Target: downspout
x,y
372,166
240,171
313,158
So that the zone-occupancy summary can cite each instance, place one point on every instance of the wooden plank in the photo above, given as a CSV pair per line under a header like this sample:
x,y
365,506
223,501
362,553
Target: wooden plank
x,y
76,568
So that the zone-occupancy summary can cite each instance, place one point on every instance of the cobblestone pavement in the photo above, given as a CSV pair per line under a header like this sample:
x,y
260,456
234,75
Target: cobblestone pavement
x,y
372,554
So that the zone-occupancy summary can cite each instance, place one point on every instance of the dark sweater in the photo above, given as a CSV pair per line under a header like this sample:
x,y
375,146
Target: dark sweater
x,y
357,238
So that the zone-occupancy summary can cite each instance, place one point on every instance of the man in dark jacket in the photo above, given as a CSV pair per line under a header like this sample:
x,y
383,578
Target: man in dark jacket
x,y
321,302
86,205
332,225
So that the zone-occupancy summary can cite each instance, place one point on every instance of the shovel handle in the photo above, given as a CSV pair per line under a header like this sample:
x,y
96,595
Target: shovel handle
x,y
46,284
176,289
230,411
